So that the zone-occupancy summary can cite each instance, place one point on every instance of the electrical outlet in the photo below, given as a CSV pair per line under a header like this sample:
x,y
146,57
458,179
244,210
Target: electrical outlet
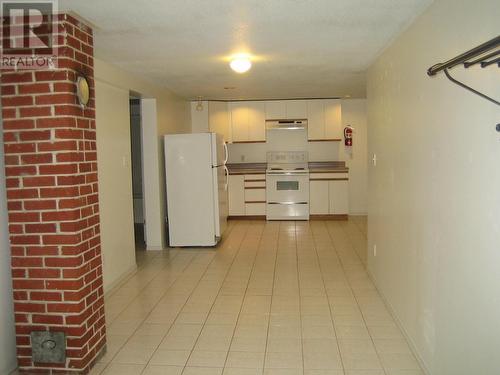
x,y
374,250
242,158
374,159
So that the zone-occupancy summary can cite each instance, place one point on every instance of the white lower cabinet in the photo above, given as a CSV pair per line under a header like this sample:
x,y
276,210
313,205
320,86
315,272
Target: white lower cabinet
x,y
236,192
247,195
319,197
329,194
339,197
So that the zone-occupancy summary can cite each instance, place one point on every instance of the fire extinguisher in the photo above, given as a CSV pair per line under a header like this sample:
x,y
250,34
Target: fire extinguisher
x,y
348,136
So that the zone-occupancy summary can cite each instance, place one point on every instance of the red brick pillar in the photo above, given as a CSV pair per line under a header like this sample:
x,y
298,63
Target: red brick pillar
x,y
51,176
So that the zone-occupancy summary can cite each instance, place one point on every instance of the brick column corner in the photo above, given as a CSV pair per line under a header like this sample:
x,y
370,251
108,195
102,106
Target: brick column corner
x,y
52,196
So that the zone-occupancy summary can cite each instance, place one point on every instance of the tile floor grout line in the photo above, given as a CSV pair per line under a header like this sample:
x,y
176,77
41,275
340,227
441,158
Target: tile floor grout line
x,y
274,283
276,247
137,270
215,300
243,301
180,310
300,295
213,303
128,339
328,300
142,266
355,298
152,308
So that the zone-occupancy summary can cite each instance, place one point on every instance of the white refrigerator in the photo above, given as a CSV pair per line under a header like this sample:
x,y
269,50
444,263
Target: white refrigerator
x,y
196,179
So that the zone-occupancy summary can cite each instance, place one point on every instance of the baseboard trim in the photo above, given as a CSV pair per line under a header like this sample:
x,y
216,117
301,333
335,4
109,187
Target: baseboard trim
x,y
412,345
154,248
115,285
249,217
329,217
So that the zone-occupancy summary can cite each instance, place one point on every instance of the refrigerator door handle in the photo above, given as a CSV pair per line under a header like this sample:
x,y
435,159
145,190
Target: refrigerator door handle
x,y
226,154
226,171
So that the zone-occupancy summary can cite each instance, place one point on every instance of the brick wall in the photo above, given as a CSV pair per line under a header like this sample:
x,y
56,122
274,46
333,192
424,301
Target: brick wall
x,y
51,177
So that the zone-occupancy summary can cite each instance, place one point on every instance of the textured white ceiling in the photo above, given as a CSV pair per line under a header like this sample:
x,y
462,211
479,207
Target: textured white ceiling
x,y
303,48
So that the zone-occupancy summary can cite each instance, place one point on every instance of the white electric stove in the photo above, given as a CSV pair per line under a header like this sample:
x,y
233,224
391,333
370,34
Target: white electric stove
x,y
287,186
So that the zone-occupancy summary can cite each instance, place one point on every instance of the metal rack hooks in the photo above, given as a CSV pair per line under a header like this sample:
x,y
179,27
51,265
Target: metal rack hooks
x,y
485,54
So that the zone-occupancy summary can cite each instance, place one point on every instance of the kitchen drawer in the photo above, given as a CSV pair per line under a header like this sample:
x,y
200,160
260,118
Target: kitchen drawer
x,y
255,177
255,209
255,195
255,183
329,176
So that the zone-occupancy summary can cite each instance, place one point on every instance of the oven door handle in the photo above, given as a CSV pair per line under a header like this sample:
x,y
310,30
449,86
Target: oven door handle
x,y
288,203
287,173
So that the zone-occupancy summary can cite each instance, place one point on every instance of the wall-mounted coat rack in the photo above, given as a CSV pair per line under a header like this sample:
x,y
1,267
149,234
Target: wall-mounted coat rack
x,y
485,54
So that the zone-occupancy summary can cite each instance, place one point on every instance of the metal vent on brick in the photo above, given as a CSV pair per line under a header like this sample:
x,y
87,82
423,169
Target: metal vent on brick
x,y
48,347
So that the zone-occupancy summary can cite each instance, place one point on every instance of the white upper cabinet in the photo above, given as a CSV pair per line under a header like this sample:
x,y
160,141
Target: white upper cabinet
x,y
286,109
239,121
333,119
248,121
256,121
324,120
296,109
218,119
275,109
211,117
315,120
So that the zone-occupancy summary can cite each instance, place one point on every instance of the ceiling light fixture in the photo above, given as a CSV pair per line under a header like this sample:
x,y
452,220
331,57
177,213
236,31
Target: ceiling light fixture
x,y
240,64
199,106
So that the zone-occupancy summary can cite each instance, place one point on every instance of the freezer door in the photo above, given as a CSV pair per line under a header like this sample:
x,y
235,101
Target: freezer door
x,y
190,194
221,201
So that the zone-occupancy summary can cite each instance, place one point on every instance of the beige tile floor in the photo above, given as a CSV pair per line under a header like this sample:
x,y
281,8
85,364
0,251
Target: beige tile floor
x,y
275,298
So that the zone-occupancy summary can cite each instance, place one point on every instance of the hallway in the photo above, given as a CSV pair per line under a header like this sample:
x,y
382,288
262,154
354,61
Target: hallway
x,y
279,298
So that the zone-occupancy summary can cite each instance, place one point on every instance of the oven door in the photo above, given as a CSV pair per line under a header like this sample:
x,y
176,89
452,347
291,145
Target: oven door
x,y
287,196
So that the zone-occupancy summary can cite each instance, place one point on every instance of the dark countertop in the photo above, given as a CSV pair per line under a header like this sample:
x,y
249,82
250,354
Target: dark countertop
x,y
314,167
247,168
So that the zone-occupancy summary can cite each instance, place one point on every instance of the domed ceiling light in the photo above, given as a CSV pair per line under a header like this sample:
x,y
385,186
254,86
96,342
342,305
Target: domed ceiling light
x,y
240,64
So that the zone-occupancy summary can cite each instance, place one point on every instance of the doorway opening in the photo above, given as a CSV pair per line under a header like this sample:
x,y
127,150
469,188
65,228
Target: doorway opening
x,y
137,172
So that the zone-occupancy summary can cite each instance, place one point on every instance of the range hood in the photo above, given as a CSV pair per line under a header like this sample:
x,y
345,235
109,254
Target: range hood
x,y
286,124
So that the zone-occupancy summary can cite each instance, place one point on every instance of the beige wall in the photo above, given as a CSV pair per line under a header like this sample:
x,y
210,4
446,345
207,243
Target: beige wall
x,y
354,114
8,360
434,202
115,184
114,157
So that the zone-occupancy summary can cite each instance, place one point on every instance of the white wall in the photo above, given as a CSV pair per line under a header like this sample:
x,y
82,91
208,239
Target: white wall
x,y
7,335
354,114
434,202
113,87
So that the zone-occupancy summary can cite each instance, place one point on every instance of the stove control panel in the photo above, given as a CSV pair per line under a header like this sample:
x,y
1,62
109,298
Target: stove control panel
x,y
287,157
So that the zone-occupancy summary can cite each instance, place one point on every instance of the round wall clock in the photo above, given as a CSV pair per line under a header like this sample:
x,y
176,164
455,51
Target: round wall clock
x,y
82,90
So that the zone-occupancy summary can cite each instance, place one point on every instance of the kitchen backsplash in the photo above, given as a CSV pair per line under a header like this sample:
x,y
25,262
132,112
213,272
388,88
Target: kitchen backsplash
x,y
284,140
